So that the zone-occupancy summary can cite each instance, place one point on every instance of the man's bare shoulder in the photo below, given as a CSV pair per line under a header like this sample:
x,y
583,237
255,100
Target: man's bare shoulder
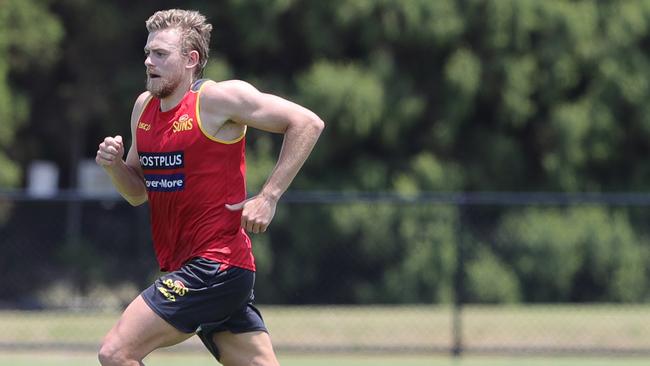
x,y
228,91
142,98
230,85
139,105
222,102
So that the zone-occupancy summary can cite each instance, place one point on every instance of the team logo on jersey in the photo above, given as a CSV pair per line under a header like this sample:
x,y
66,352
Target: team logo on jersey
x,y
184,123
166,160
144,126
164,182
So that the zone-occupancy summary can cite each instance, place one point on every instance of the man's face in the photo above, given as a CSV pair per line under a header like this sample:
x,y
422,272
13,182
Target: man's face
x,y
164,62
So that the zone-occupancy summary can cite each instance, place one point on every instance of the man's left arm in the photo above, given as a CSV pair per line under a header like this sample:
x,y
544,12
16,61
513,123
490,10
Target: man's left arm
x,y
301,127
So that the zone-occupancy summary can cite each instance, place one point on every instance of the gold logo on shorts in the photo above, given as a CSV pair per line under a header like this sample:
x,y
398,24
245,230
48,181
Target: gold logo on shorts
x,y
166,293
176,287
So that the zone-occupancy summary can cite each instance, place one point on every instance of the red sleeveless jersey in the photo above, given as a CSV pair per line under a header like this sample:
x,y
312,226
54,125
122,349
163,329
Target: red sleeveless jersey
x,y
190,176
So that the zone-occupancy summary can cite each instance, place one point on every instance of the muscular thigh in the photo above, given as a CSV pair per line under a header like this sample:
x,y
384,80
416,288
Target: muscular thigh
x,y
140,331
245,349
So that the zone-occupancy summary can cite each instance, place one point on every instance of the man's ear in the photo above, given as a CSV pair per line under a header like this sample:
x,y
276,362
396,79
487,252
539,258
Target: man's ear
x,y
192,59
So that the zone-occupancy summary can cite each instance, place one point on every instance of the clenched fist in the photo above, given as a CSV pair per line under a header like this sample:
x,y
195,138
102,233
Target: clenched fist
x,y
110,151
257,213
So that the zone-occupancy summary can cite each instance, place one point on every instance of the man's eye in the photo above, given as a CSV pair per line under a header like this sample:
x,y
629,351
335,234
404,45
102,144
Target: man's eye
x,y
159,54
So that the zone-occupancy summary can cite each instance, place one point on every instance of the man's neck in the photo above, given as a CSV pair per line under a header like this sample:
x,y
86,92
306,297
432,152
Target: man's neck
x,y
172,101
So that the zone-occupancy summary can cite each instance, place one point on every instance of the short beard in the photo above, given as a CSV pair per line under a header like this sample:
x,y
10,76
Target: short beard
x,y
164,88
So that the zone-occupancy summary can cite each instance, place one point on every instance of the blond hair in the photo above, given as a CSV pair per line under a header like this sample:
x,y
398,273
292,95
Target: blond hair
x,y
194,30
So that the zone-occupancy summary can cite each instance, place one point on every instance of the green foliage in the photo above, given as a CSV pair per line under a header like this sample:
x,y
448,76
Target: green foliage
x,y
552,88
426,173
417,96
379,253
545,251
347,95
29,36
579,253
429,234
489,280
217,70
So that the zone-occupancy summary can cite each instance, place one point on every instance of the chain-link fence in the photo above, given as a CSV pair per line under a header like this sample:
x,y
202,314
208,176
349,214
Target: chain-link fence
x,y
358,272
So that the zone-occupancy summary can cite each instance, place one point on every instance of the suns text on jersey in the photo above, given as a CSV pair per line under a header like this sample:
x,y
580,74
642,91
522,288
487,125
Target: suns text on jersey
x,y
184,123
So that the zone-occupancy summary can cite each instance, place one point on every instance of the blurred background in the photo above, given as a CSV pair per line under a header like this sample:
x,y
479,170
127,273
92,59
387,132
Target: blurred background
x,y
480,187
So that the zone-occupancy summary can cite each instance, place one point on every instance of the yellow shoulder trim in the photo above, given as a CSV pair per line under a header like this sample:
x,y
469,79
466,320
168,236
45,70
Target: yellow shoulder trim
x,y
205,133
144,106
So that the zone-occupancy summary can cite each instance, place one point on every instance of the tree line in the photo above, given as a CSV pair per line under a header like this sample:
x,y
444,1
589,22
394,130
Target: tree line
x,y
418,96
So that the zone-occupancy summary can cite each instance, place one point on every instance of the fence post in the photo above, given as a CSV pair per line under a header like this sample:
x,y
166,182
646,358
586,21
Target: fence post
x,y
457,309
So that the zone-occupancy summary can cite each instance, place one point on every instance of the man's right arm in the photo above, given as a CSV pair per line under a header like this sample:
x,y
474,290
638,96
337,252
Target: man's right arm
x,y
127,175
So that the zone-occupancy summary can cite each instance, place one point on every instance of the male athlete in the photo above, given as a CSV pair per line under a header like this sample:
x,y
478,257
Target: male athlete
x,y
187,160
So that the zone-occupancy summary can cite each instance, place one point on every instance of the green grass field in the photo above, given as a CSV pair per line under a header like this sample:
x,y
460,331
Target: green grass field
x,y
425,329
201,359
413,327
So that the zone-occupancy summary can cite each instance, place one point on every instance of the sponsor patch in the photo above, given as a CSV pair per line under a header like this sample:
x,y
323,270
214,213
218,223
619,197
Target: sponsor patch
x,y
167,160
164,182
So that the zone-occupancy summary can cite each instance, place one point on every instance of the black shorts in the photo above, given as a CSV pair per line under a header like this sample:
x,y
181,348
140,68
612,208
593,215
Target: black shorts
x,y
200,293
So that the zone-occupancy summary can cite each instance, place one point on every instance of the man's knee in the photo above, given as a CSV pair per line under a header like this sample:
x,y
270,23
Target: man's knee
x,y
108,355
246,349
111,355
